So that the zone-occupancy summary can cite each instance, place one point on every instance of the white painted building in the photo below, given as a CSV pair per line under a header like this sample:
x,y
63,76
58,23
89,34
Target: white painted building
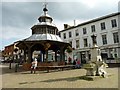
x,y
106,28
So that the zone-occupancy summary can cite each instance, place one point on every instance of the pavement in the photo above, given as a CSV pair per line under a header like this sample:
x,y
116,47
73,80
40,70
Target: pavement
x,y
54,79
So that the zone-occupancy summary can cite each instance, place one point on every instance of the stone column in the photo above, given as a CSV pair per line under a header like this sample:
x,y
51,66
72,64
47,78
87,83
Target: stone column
x,y
55,56
25,55
46,52
41,57
29,55
30,45
62,55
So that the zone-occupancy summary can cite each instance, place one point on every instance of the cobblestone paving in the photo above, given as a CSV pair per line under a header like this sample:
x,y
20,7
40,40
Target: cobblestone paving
x,y
58,79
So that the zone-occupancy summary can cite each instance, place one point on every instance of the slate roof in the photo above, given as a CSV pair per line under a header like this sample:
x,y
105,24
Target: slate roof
x,y
38,37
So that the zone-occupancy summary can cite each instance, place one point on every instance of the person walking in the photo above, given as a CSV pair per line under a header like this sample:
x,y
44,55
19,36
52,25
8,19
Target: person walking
x,y
78,63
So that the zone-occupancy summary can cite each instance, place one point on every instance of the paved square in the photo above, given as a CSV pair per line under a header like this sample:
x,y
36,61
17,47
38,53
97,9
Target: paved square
x,y
58,79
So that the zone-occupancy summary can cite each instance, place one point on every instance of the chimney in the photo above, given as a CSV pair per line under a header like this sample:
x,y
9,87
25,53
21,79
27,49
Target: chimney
x,y
66,26
74,22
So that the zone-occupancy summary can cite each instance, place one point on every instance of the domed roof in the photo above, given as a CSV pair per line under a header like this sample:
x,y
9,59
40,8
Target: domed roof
x,y
45,15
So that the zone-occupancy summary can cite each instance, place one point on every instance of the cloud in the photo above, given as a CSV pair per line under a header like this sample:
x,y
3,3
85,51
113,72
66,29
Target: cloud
x,y
78,10
14,32
20,15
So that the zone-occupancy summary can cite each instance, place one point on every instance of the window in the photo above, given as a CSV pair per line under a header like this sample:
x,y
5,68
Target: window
x,y
85,42
76,32
70,35
48,20
104,39
114,23
116,37
64,35
59,34
103,26
42,20
77,43
70,43
84,31
93,28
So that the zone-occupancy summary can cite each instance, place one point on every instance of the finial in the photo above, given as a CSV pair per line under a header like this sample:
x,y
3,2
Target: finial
x,y
45,6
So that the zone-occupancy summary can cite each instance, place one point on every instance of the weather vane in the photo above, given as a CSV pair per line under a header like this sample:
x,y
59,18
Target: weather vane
x,y
45,4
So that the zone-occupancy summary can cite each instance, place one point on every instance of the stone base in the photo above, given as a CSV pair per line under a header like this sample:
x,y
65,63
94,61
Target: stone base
x,y
90,72
92,78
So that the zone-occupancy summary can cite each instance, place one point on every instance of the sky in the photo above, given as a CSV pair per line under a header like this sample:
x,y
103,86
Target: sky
x,y
18,16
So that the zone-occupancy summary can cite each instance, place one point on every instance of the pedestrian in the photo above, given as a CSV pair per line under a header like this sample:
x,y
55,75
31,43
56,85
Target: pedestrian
x,y
74,63
34,65
78,63
69,59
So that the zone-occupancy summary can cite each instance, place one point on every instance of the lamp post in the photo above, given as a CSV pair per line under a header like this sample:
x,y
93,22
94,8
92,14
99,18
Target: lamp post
x,y
94,40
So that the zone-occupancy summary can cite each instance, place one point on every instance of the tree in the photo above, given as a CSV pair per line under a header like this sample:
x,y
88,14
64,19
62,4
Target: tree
x,y
69,49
